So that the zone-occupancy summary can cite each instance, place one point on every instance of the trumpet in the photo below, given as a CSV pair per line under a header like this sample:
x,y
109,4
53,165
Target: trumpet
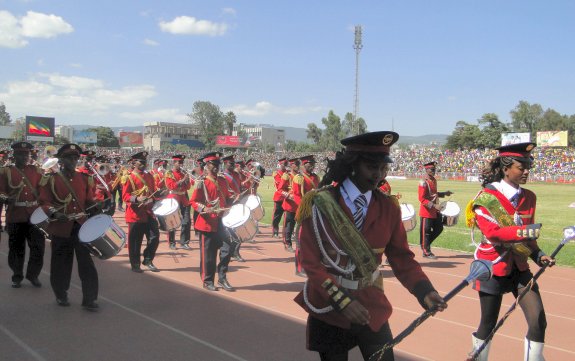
x,y
51,165
251,175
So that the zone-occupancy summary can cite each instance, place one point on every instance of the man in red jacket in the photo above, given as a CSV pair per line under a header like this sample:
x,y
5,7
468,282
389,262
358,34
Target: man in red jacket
x,y
209,199
290,204
19,189
178,182
279,196
431,224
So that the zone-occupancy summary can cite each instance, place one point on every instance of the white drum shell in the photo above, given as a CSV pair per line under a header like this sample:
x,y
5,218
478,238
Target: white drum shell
x,y
450,212
253,202
102,236
167,212
408,217
240,222
40,219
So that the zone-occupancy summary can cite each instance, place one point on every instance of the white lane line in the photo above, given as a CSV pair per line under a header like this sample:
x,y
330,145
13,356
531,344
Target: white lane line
x,y
22,344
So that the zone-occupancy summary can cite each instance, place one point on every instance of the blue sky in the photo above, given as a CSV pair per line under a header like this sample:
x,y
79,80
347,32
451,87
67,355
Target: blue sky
x,y
424,64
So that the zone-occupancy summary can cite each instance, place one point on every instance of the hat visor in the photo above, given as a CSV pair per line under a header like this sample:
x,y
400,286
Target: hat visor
x,y
377,157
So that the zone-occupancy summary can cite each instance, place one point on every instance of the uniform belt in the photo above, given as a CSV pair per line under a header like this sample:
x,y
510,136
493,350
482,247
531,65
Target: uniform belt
x,y
376,280
26,204
177,193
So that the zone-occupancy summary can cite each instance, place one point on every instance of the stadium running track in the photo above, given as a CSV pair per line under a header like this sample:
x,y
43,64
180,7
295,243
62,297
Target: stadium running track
x,y
169,316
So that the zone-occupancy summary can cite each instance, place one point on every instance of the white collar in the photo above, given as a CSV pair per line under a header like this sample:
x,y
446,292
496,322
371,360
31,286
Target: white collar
x,y
350,191
506,189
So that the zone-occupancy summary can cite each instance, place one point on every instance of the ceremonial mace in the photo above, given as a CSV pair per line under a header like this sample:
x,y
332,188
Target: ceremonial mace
x,y
479,270
568,235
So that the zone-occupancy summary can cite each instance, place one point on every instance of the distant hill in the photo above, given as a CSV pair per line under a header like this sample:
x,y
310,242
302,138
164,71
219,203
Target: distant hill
x,y
116,130
423,139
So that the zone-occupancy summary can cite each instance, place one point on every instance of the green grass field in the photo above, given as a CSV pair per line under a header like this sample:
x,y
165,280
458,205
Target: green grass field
x,y
552,211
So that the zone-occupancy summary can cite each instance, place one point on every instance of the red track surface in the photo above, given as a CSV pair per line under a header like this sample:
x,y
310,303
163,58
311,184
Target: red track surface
x,y
169,316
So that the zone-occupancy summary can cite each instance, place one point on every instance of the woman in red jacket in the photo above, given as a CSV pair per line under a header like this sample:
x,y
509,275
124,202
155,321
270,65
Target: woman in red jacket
x,y
344,291
505,214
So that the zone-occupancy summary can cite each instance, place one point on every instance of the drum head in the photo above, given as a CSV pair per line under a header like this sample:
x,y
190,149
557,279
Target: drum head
x,y
253,201
237,215
451,209
165,206
94,228
38,216
407,211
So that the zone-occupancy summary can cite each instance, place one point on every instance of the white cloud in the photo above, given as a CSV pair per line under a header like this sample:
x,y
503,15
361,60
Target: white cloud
x,y
55,94
150,42
229,11
264,108
14,31
168,114
187,25
38,25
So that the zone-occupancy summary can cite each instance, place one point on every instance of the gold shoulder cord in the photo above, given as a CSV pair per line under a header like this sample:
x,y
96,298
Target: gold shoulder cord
x,y
64,201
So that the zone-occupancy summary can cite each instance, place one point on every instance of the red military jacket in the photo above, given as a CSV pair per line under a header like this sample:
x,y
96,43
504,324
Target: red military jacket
x,y
279,193
55,196
138,184
234,181
13,185
428,196
209,193
499,238
289,204
100,191
385,187
306,182
177,192
158,179
384,232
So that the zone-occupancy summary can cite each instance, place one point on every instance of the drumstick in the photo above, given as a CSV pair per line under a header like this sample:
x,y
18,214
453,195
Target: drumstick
x,y
148,197
219,210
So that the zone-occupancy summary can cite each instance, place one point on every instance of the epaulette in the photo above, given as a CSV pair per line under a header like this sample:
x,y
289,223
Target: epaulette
x,y
298,179
285,176
169,174
469,214
45,178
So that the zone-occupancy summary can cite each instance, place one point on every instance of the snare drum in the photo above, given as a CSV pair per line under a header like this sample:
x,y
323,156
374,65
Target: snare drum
x,y
450,211
168,213
408,217
102,236
40,219
240,223
255,205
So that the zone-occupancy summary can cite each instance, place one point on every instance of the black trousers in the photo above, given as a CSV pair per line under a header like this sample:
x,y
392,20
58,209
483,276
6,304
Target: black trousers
x,y
278,213
429,230
185,228
210,243
63,250
136,232
20,234
289,225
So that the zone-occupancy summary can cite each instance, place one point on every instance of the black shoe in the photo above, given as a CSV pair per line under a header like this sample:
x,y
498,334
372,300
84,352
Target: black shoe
x,y
137,269
301,274
429,255
223,282
185,246
150,266
90,306
62,302
16,284
289,249
238,258
173,246
35,282
210,286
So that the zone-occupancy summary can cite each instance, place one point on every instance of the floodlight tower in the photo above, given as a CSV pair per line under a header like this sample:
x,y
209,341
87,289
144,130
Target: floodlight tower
x,y
357,45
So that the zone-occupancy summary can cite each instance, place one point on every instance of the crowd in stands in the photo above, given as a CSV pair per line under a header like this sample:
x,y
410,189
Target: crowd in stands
x,y
551,164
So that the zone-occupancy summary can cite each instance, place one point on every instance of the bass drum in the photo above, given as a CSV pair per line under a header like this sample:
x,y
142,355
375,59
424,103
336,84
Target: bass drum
x,y
408,217
254,203
240,223
450,212
168,213
40,219
103,237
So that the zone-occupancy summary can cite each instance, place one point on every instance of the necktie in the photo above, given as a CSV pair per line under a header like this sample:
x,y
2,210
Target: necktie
x,y
515,200
360,203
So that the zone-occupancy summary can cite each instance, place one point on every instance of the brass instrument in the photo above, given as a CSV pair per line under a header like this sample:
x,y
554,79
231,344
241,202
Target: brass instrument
x,y
51,165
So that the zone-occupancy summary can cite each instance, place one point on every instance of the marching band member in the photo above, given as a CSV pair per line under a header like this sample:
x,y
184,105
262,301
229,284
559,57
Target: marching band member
x,y
505,214
279,196
289,204
138,194
178,182
104,181
19,190
209,199
252,176
118,171
307,181
3,163
344,293
65,197
234,186
86,158
431,224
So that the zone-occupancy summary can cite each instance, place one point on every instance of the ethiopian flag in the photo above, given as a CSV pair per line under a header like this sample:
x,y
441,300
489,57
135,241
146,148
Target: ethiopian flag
x,y
39,128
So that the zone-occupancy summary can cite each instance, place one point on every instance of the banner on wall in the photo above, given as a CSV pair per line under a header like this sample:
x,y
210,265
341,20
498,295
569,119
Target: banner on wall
x,y
131,139
39,129
557,138
514,138
85,137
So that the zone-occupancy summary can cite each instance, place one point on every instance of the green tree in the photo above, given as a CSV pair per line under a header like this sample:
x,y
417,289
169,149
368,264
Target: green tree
x,y
491,129
464,136
552,120
106,137
314,133
19,132
353,127
332,133
229,121
4,115
209,119
525,117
